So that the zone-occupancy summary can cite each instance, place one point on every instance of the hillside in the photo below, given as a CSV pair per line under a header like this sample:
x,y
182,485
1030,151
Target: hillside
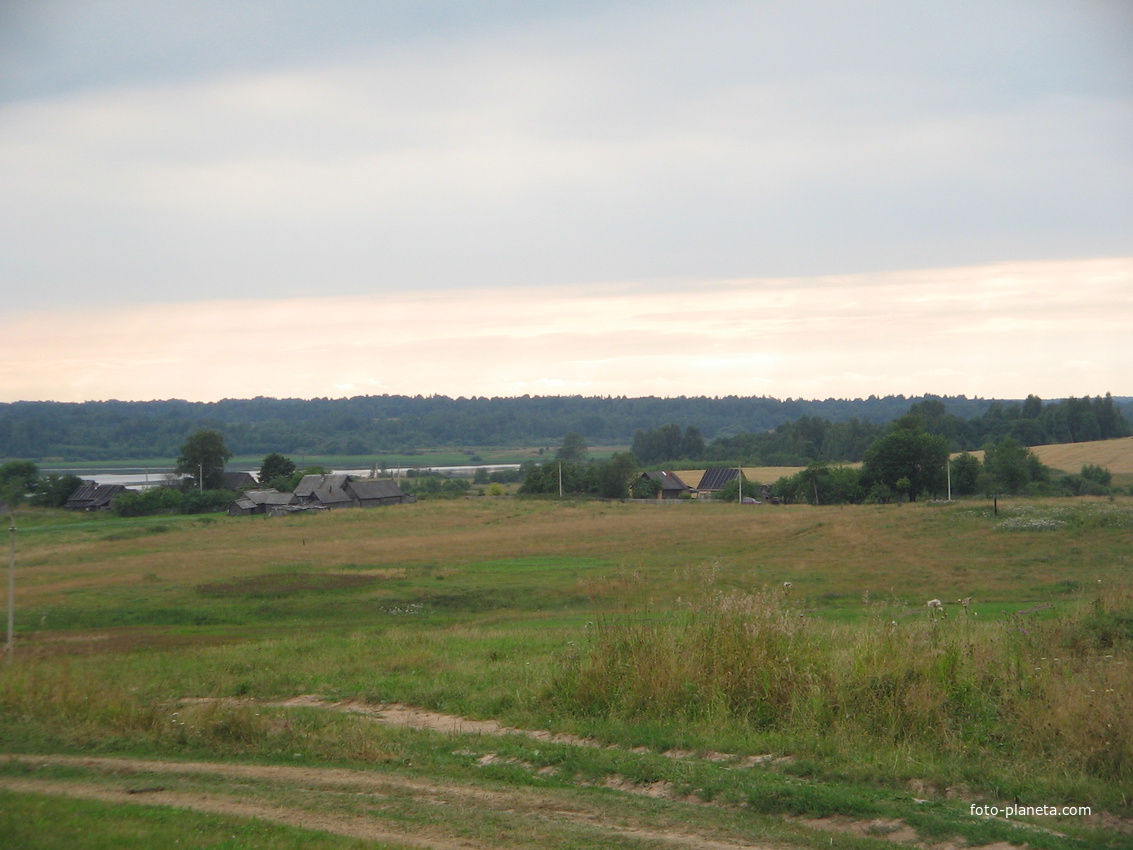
x,y
1114,455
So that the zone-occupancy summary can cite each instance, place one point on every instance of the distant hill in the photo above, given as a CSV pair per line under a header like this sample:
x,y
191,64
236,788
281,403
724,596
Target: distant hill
x,y
113,430
374,425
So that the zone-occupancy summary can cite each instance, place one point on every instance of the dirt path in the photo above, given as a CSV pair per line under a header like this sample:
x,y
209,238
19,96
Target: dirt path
x,y
352,802
413,717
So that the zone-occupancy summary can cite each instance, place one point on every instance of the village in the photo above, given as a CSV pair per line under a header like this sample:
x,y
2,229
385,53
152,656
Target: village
x,y
339,490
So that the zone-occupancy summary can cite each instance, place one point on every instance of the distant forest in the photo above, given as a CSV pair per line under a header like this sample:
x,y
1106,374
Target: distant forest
x,y
768,429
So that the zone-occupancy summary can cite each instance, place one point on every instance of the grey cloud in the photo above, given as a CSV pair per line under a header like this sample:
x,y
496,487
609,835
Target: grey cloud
x,y
162,152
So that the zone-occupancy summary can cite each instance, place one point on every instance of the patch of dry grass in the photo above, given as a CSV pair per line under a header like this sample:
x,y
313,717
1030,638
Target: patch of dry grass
x,y
912,552
1054,693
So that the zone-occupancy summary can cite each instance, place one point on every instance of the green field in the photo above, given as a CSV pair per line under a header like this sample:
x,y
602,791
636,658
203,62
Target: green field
x,y
518,673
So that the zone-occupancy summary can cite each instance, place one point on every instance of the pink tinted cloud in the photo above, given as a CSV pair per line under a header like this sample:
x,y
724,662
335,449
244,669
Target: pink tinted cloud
x,y
1005,330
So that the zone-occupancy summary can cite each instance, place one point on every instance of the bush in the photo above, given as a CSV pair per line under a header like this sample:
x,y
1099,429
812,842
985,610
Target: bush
x,y
167,500
438,487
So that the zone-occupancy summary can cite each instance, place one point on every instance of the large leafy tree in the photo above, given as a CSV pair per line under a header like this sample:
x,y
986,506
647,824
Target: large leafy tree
x,y
1011,466
573,449
965,474
613,477
53,490
275,468
203,456
907,459
17,479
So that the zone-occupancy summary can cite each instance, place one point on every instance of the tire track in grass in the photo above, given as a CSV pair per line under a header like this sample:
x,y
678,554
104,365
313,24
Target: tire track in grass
x,y
137,782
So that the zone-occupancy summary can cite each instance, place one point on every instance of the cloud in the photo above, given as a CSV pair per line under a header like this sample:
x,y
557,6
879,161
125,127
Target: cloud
x,y
1005,330
358,148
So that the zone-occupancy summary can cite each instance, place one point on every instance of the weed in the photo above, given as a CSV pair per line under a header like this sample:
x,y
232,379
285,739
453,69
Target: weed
x,y
753,661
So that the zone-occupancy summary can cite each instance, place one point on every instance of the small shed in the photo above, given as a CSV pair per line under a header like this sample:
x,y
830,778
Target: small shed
x,y
671,485
94,497
260,502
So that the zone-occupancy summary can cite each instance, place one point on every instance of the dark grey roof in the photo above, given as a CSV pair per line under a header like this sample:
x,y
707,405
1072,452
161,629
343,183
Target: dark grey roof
x,y
326,489
271,496
309,484
715,479
667,480
91,495
236,480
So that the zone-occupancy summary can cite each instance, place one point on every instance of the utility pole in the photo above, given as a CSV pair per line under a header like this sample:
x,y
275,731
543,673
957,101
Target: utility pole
x,y
11,585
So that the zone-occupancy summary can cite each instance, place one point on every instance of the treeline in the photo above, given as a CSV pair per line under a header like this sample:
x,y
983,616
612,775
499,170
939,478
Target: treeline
x,y
113,430
811,439
907,464
774,430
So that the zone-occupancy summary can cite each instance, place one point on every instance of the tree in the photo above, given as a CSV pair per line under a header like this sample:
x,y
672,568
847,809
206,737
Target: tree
x,y
907,452
645,488
692,444
730,492
573,449
53,490
276,466
17,478
613,476
965,474
1099,474
1007,467
203,455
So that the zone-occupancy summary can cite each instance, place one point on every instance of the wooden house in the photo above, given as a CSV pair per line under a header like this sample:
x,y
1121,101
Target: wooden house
x,y
260,502
239,481
713,480
94,497
670,483
372,492
327,491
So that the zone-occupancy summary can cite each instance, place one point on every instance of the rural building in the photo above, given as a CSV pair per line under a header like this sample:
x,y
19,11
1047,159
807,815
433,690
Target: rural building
x,y
713,480
94,497
260,502
340,490
671,485
328,491
372,492
239,480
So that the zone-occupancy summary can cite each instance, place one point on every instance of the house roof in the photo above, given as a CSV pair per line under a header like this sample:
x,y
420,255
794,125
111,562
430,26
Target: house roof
x,y
91,495
236,480
375,488
327,489
667,480
715,479
270,496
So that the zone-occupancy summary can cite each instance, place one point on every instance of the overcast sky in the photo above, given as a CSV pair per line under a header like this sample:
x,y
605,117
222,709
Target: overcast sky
x,y
789,197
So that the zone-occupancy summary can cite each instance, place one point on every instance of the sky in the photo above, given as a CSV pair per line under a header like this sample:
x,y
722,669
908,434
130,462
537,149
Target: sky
x,y
792,198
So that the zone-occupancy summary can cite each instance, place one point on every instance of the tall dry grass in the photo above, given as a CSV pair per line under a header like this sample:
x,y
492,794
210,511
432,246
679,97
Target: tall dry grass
x,y
1056,690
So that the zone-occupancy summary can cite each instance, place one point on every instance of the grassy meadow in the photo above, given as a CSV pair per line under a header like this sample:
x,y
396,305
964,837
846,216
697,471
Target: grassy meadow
x,y
657,641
